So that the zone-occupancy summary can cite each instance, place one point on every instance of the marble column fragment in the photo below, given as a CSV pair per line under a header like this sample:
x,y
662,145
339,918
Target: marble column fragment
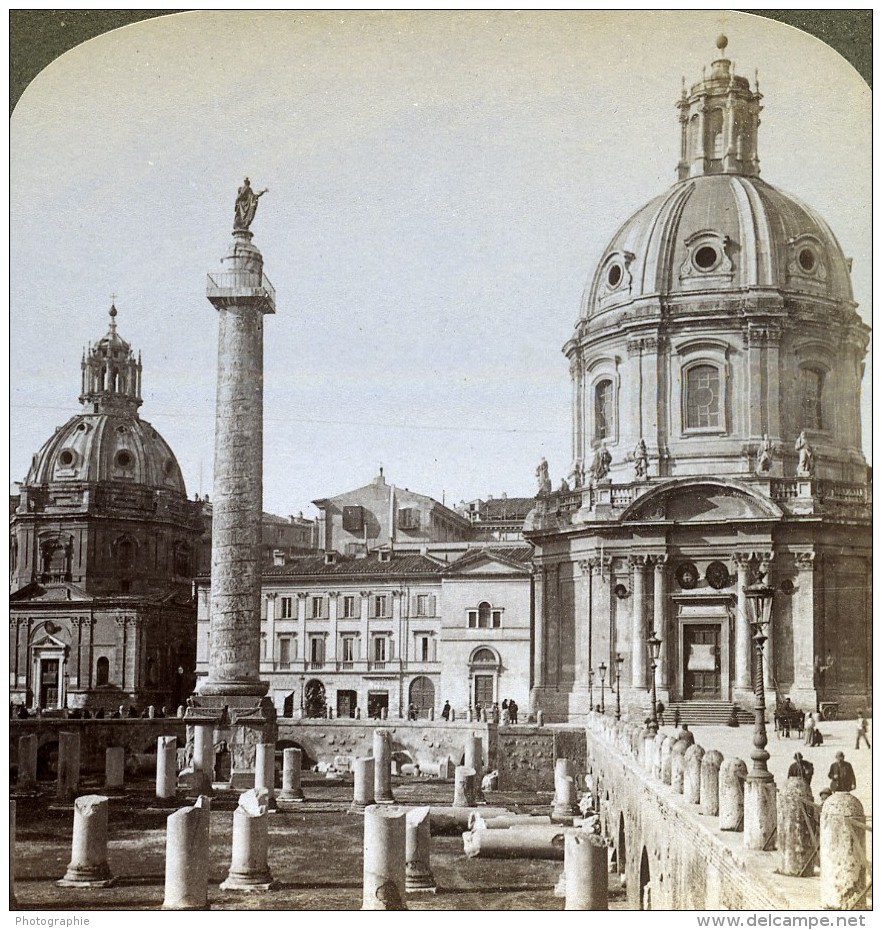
x,y
27,764
710,783
203,756
543,841
843,853
114,767
385,858
565,806
363,795
418,874
166,766
291,766
187,839
732,775
382,768
585,872
88,866
474,759
464,787
265,772
68,765
249,869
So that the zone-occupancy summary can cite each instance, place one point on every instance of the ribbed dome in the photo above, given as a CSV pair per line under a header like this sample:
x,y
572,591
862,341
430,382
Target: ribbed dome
x,y
719,233
94,447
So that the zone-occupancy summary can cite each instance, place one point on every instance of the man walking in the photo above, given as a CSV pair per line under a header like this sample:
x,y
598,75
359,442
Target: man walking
x,y
861,731
841,774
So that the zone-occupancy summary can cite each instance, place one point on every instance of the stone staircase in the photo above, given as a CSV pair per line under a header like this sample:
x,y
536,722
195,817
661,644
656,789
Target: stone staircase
x,y
707,713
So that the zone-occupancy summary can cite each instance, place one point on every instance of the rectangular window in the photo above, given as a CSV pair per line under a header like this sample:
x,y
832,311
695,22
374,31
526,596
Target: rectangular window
x,y
353,519
424,647
349,607
810,385
497,618
473,619
380,605
317,604
379,649
348,649
422,605
703,397
603,410
286,608
317,651
284,652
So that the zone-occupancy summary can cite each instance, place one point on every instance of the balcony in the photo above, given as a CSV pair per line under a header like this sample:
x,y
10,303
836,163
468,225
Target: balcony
x,y
230,287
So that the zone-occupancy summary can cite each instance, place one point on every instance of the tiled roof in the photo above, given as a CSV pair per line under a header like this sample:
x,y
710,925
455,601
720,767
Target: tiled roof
x,y
507,508
404,564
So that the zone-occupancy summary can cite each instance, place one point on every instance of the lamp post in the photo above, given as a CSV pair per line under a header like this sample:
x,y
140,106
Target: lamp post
x,y
602,687
619,660
591,687
760,814
654,644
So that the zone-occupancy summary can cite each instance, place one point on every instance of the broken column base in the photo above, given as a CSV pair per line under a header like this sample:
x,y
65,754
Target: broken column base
x,y
419,880
86,878
290,803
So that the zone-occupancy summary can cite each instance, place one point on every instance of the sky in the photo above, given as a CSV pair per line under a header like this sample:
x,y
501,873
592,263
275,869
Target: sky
x,y
441,186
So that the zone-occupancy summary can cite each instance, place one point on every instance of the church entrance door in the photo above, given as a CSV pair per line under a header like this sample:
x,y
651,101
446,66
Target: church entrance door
x,y
702,680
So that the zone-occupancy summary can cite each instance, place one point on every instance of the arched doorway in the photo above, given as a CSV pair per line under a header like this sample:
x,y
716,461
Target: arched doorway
x,y
422,695
314,699
645,885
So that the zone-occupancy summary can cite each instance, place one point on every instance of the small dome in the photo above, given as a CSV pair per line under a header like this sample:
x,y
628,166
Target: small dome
x,y
719,233
93,447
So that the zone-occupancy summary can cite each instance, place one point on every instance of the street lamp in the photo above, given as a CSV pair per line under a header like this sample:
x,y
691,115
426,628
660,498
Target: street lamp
x,y
619,660
760,595
654,644
602,687
591,687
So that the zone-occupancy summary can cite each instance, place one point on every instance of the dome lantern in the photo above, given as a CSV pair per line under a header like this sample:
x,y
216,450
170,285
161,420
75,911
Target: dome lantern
x,y
719,121
111,375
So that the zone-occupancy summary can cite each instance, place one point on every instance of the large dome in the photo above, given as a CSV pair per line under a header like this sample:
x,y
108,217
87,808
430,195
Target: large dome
x,y
719,233
99,447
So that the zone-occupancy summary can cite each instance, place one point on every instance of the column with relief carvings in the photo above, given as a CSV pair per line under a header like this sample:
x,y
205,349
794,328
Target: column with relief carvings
x,y
743,639
660,619
638,621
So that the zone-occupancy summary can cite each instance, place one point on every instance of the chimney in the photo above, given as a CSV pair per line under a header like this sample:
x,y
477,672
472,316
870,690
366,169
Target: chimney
x,y
330,557
278,557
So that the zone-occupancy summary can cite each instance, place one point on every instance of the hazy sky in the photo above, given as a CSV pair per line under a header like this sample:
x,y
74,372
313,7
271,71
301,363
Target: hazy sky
x,y
441,186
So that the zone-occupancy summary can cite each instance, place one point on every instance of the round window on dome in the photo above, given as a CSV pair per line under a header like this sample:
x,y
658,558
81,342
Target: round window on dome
x,y
807,260
706,257
614,275
66,458
124,459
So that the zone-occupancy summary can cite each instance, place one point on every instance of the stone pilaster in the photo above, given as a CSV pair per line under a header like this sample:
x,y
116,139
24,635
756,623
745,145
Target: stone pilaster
x,y
638,565
805,644
660,618
743,642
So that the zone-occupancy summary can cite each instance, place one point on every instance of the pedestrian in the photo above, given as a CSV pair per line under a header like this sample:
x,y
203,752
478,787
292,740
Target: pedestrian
x,y
411,712
841,774
861,731
809,729
660,713
801,768
513,710
445,713
685,734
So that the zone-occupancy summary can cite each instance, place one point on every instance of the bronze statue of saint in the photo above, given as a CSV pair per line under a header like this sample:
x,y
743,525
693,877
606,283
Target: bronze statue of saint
x,y
246,205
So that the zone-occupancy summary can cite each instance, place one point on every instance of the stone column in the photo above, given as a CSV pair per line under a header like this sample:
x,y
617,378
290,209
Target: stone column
x,y
166,766
743,645
843,853
68,765
291,766
27,764
733,773
265,772
385,857
464,787
249,870
187,857
638,623
203,756
538,637
795,828
473,759
660,620
241,296
585,872
382,768
114,767
418,874
802,613
710,783
565,806
582,611
363,795
88,866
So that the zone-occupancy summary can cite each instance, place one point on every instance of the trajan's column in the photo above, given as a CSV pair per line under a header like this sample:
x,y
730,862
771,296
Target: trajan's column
x,y
232,695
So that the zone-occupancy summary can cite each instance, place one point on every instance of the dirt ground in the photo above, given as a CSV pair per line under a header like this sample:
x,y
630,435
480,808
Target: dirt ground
x,y
315,854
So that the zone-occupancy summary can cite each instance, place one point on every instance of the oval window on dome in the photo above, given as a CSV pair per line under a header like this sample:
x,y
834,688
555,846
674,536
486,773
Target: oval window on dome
x,y
66,458
807,260
614,275
124,459
706,257
169,468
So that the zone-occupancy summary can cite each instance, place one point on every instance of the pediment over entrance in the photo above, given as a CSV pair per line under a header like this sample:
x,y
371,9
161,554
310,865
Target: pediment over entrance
x,y
703,501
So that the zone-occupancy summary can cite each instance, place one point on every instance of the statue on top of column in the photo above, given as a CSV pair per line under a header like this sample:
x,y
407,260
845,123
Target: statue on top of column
x,y
246,205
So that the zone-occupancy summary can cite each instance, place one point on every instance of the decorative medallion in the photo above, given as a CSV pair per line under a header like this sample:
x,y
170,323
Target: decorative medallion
x,y
717,575
687,575
786,587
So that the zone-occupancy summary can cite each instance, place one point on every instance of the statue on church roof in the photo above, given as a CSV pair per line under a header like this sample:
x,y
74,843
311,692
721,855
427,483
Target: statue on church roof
x,y
764,455
543,479
246,205
601,463
806,466
641,460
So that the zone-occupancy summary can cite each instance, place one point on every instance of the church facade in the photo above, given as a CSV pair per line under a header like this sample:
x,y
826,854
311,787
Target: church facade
x,y
716,372
103,551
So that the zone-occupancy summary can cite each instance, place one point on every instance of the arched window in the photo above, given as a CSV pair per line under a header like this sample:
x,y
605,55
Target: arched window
x,y
182,559
603,409
484,657
484,615
703,397
811,386
102,671
716,133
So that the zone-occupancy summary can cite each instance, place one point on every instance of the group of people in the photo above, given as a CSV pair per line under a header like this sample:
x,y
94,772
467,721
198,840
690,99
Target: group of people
x,y
508,714
841,774
20,712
